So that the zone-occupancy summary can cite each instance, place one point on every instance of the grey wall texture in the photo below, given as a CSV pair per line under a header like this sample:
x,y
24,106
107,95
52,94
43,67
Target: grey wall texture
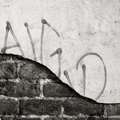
x,y
30,91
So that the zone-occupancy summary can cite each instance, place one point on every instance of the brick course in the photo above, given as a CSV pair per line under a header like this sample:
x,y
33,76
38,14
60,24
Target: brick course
x,y
8,71
86,107
40,107
58,90
8,106
21,89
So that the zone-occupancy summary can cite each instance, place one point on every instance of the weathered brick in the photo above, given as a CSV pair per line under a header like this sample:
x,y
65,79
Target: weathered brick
x,y
80,118
5,57
40,107
111,109
6,118
26,118
58,90
19,118
82,105
103,118
7,88
32,71
112,118
58,118
8,107
8,71
53,118
96,118
21,89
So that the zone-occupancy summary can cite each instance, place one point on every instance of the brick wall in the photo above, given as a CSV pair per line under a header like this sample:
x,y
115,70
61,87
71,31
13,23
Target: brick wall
x,y
30,91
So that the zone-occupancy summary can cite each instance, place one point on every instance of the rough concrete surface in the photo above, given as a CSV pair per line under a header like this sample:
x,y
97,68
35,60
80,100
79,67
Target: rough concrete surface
x,y
84,26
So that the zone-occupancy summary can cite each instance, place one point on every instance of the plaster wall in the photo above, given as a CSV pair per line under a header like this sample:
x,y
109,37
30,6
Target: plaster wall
x,y
84,26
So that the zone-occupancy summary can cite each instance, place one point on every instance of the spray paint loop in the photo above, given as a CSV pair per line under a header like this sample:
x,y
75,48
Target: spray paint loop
x,y
105,70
